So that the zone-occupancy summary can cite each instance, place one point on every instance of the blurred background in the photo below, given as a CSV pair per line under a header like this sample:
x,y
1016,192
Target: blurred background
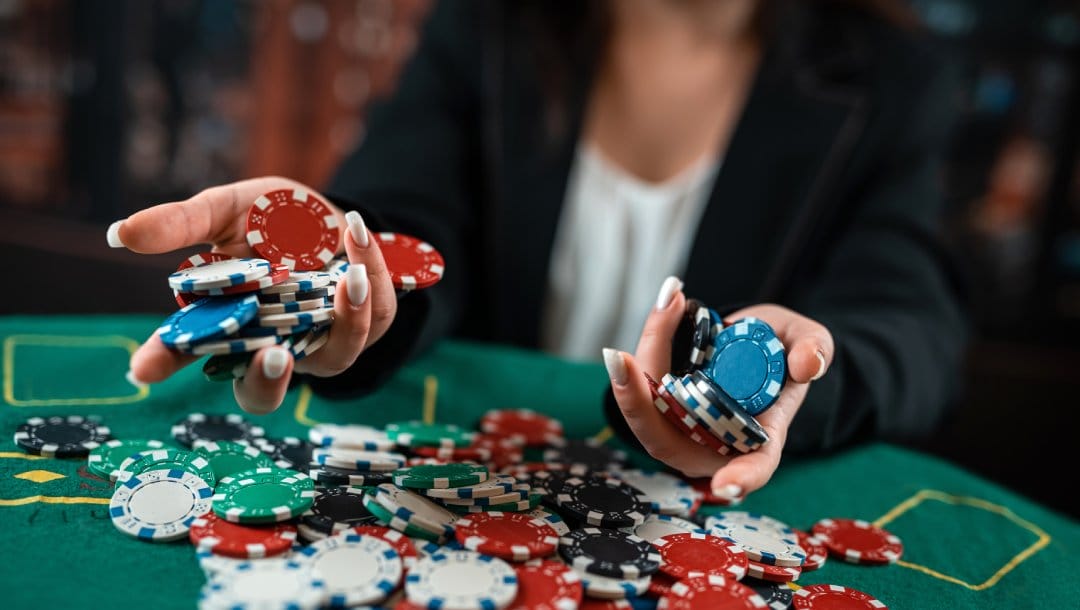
x,y
107,107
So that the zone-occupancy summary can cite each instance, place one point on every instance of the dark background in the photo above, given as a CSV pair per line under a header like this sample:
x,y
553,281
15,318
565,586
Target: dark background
x,y
107,107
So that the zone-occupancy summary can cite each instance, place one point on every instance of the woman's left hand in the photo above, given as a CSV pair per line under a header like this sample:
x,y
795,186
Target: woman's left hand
x,y
809,347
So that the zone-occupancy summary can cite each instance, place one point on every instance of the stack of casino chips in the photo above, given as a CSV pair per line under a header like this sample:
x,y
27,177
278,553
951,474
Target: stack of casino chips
x,y
232,307
722,377
416,515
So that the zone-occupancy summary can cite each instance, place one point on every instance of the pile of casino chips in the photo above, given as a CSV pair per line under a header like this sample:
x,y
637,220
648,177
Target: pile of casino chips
x,y
415,515
231,307
723,377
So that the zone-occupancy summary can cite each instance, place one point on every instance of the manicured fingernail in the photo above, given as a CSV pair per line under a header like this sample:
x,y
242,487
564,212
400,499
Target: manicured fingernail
x,y
616,366
274,362
357,283
668,289
821,366
113,235
357,228
133,380
728,492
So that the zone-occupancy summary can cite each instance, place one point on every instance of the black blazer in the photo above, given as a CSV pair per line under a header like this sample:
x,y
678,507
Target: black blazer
x,y
828,202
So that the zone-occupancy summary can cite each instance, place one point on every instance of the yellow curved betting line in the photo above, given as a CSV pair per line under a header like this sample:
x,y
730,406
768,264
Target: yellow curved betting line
x,y
15,455
431,392
68,341
1042,538
302,404
52,500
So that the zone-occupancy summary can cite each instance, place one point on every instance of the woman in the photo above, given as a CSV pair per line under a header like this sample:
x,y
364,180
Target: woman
x,y
781,157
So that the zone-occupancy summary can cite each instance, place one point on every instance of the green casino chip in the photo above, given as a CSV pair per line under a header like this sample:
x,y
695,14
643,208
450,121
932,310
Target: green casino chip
x,y
419,434
227,459
263,495
166,459
105,460
440,476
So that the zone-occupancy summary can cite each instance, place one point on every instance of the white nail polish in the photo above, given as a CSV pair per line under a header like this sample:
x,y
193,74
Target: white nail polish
x,y
821,367
130,376
728,492
357,228
113,235
668,289
357,282
274,362
616,366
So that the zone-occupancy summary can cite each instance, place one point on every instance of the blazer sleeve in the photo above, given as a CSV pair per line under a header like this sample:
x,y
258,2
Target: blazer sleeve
x,y
889,293
416,172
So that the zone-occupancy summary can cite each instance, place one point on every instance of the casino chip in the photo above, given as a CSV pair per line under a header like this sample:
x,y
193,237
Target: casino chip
x,y
419,434
402,544
412,263
604,502
159,505
607,552
511,536
461,579
762,543
667,494
350,436
301,282
356,569
508,507
857,541
211,533
289,452
670,407
696,554
243,345
685,342
587,454
524,425
388,518
749,364
328,475
295,228
820,597
817,552
105,459
266,583
546,585
777,596
337,509
206,320
764,571
166,459
442,476
200,426
278,274
70,436
354,459
602,587
657,526
227,459
263,495
555,521
219,274
496,486
519,494
416,510
710,591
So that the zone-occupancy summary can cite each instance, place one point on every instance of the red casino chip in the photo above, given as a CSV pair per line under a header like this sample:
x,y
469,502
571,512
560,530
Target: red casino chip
x,y
834,597
513,536
710,592
698,554
817,552
860,542
546,585
213,534
402,544
683,421
527,426
590,603
413,264
660,584
764,571
294,228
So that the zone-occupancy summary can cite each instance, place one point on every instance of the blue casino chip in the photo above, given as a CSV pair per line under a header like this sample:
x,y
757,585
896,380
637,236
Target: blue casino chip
x,y
749,364
207,320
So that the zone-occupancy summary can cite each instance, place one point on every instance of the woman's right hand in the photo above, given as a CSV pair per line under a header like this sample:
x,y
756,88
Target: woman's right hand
x,y
365,302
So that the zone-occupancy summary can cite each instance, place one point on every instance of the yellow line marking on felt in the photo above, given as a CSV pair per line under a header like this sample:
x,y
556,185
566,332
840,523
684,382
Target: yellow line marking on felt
x,y
603,435
1043,539
68,341
302,403
431,392
53,500
15,455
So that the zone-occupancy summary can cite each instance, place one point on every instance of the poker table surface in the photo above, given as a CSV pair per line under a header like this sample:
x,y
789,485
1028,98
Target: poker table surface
x,y
968,542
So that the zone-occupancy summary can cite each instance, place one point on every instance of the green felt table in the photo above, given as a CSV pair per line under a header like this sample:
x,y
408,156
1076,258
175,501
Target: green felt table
x,y
968,542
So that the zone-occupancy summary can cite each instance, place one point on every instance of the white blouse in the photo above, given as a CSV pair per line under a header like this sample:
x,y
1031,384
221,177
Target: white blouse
x,y
618,237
